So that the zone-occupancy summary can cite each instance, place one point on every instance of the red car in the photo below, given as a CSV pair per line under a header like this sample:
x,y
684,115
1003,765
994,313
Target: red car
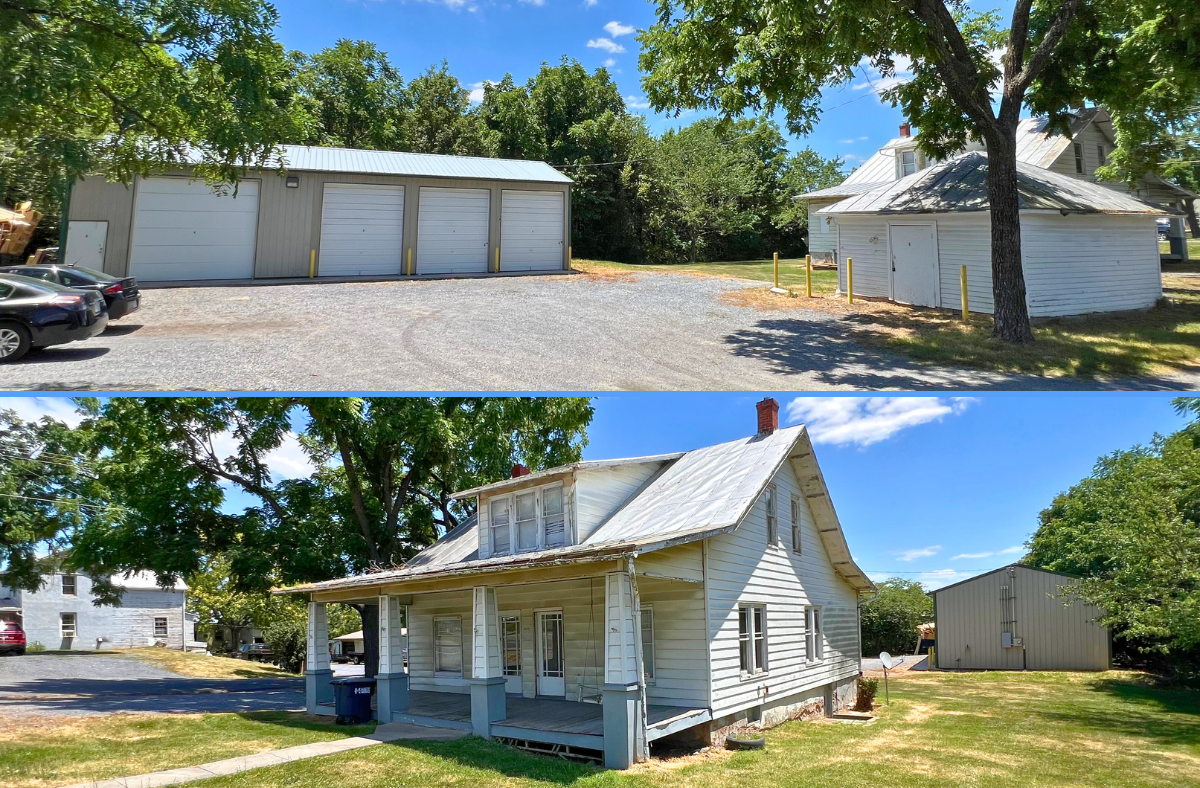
x,y
12,638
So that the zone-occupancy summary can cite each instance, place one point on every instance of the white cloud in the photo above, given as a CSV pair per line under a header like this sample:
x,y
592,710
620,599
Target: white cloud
x,y
616,29
34,408
476,95
287,461
852,141
1006,551
607,44
610,62
534,2
589,3
850,158
862,421
636,102
919,552
941,577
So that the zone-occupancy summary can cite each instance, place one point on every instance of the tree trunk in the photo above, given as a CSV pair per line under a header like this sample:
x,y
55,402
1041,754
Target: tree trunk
x,y
1010,312
1193,222
370,628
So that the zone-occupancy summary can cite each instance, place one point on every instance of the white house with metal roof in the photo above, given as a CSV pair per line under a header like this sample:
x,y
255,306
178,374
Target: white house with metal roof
x,y
597,607
328,212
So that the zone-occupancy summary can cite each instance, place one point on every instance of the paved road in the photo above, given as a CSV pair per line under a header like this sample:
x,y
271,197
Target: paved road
x,y
576,332
38,684
908,660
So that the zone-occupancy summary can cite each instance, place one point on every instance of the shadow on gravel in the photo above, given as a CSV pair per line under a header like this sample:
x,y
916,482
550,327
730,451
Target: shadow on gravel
x,y
122,330
62,354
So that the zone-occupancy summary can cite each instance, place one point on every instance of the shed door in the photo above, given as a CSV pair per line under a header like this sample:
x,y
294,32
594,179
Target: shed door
x,y
914,265
184,230
452,231
85,244
531,231
362,229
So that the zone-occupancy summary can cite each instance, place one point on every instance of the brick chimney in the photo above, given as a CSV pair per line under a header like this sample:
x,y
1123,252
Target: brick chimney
x,y
519,470
905,130
768,416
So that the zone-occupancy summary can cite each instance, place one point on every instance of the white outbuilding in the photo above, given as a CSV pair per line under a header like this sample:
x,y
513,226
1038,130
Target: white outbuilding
x,y
1085,248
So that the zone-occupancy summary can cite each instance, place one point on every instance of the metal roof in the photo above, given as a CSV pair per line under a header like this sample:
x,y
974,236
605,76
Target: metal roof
x,y
701,493
577,466
960,184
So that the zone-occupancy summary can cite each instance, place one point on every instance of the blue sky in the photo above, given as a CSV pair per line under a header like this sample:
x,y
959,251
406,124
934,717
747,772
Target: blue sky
x,y
483,40
931,488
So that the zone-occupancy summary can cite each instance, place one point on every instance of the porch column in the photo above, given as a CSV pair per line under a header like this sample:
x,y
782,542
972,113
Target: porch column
x,y
487,678
317,675
622,687
391,683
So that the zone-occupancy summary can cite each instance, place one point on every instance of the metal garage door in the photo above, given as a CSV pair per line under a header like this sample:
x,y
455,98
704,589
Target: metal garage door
x,y
362,229
531,231
452,231
183,230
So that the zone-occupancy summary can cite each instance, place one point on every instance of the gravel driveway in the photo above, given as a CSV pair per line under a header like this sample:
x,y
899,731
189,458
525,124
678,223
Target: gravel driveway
x,y
43,684
543,333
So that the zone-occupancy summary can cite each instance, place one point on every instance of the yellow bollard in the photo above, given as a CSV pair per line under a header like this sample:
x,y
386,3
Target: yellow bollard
x,y
312,264
497,259
966,313
410,265
808,274
777,270
849,280
570,259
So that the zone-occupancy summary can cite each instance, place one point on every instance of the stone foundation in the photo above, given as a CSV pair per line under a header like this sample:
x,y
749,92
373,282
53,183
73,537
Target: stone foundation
x,y
807,705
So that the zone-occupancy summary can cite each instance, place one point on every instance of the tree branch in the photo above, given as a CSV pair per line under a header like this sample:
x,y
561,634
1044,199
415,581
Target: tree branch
x,y
356,493
1037,62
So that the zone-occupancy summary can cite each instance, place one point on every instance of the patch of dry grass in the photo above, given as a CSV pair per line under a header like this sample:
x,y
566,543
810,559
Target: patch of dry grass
x,y
202,665
791,272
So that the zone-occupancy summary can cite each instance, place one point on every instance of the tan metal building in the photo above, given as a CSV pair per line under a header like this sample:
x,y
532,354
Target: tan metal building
x,y
1017,618
328,212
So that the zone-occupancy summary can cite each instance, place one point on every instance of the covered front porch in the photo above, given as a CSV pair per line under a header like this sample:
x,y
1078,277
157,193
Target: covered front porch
x,y
563,663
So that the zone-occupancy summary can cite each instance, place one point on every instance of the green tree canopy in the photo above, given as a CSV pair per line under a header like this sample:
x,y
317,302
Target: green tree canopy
x,y
355,96
889,621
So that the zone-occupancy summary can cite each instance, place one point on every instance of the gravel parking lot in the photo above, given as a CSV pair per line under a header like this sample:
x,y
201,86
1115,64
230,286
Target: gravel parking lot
x,y
545,333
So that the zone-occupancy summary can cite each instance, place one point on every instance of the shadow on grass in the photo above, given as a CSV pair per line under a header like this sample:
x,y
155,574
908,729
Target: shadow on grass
x,y
1144,714
308,722
476,753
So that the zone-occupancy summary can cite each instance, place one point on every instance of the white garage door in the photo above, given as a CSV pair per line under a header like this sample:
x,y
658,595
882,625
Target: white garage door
x,y
362,229
183,230
531,231
452,231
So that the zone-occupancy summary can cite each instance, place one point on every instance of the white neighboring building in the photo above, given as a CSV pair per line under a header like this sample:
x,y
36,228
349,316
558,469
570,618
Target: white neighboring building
x,y
61,614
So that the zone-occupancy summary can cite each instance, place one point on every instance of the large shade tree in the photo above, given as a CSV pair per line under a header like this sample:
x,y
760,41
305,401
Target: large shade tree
x,y
383,471
971,78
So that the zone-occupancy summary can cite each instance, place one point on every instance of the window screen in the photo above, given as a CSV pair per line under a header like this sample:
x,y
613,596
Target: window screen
x,y
68,624
500,527
552,515
526,522
447,643
160,626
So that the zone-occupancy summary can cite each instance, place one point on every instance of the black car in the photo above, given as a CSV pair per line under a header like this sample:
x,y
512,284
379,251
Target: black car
x,y
120,293
37,314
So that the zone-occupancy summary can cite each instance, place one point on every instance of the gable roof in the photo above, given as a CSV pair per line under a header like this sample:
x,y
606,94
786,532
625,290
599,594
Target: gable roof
x,y
960,184
1017,565
700,493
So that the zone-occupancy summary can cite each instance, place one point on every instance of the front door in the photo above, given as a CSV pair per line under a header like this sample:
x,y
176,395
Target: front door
x,y
914,264
551,667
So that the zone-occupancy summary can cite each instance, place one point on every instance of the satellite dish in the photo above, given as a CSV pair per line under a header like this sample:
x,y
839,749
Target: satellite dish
x,y
887,660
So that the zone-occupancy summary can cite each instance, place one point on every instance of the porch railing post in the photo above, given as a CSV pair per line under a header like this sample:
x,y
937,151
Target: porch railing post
x,y
317,674
391,683
487,678
622,684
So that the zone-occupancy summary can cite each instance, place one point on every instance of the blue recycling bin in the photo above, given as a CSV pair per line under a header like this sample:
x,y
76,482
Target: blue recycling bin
x,y
352,699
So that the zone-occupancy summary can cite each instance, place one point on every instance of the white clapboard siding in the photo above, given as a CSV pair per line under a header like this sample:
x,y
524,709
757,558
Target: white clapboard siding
x,y
620,630
362,227
822,230
184,230
966,239
680,639
865,240
601,491
452,231
531,231
742,568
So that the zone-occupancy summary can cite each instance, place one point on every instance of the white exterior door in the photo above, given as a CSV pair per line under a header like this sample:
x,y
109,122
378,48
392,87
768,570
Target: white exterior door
x,y
362,229
452,231
85,244
184,230
531,231
914,264
551,665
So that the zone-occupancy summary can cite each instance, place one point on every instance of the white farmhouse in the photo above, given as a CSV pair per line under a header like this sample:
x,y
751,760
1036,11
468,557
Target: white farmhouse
x,y
600,606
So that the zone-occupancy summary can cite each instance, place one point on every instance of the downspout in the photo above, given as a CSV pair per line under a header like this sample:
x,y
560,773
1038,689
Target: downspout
x,y
643,745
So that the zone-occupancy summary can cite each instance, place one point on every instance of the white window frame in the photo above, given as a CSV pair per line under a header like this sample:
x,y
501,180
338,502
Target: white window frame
x,y
1077,148
74,583
797,540
748,658
165,627
916,166
772,514
438,669
539,495
507,526
814,634
505,669
68,625
1101,159
647,617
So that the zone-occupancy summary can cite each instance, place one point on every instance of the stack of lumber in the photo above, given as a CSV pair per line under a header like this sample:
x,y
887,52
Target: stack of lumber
x,y
16,227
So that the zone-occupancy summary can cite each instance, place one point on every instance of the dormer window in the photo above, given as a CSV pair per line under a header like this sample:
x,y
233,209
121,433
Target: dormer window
x,y
527,520
908,162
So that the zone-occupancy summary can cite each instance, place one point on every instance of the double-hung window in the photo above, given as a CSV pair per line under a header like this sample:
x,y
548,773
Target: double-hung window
x,y
752,638
527,525
553,518
1100,156
67,623
772,517
814,640
447,645
160,626
532,519
796,546
1078,157
501,544
648,642
908,162
69,586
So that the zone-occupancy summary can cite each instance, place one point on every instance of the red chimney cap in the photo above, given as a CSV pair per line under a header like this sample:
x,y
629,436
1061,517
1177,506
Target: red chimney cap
x,y
519,470
905,129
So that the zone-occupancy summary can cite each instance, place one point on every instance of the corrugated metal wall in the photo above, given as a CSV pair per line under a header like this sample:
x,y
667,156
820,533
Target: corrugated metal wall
x,y
289,220
971,618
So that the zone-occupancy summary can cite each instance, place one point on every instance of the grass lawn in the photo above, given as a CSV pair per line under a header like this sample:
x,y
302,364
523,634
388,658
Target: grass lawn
x,y
1033,730
791,272
189,663
54,752
1193,245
